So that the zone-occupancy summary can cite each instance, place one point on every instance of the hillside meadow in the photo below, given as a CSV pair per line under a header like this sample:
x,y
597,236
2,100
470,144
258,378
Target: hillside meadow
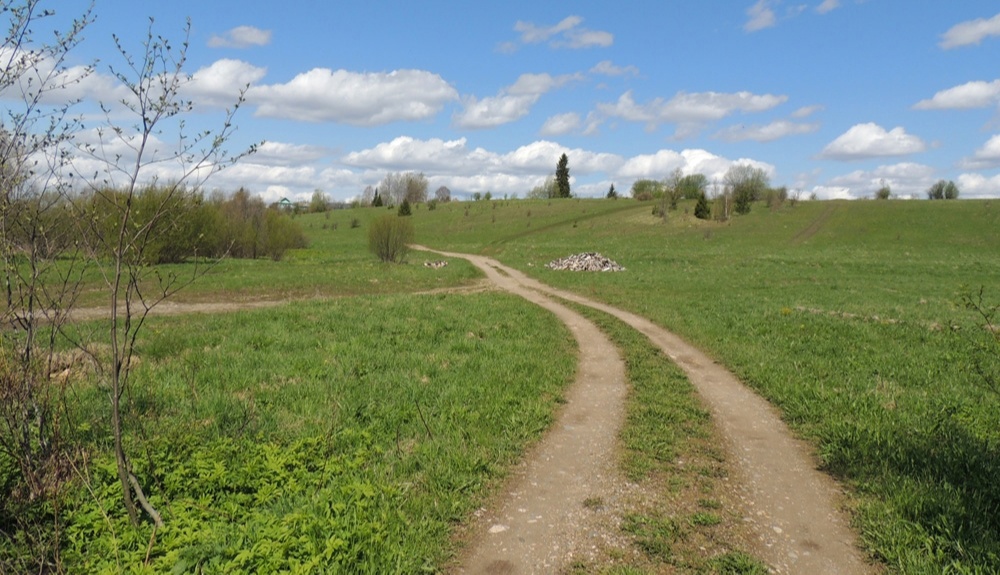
x,y
848,316
357,426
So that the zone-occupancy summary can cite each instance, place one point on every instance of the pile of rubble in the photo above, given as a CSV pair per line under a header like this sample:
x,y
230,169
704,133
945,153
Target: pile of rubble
x,y
585,262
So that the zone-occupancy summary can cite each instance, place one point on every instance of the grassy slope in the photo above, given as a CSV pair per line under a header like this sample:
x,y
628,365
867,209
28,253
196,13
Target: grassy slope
x,y
838,312
795,301
344,435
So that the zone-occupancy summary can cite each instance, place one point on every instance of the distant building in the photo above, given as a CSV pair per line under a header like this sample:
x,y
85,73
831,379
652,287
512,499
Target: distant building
x,y
286,204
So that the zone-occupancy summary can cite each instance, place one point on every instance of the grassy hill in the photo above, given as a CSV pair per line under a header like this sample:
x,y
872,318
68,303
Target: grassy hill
x,y
849,316
360,428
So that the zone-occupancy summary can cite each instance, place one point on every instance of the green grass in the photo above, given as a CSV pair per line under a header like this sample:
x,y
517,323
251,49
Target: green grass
x,y
669,448
839,313
348,434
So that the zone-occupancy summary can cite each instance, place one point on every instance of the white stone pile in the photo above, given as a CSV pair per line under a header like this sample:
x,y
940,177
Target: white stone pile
x,y
585,262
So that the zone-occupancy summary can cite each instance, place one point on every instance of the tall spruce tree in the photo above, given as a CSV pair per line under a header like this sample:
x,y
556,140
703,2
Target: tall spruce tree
x,y
562,177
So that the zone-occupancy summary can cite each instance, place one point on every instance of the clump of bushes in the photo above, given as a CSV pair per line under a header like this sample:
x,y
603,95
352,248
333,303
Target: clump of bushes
x,y
389,238
181,224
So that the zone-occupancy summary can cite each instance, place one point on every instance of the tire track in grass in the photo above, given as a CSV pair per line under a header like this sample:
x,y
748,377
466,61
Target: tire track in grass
x,y
541,523
794,509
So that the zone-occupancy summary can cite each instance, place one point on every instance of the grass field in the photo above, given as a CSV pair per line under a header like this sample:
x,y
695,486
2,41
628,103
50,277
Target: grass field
x,y
841,314
387,415
346,434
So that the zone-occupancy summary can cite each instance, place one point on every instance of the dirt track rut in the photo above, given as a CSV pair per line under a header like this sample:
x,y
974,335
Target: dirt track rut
x,y
793,509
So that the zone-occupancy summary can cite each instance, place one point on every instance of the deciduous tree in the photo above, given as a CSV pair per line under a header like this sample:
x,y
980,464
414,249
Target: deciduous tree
x,y
153,81
37,231
747,183
943,190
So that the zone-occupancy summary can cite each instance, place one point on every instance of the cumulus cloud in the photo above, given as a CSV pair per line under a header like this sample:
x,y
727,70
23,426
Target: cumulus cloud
x,y
561,124
906,179
511,104
976,94
455,158
759,16
766,133
985,157
688,110
978,186
493,111
566,34
219,84
407,153
607,68
241,37
970,32
692,161
827,6
361,99
864,141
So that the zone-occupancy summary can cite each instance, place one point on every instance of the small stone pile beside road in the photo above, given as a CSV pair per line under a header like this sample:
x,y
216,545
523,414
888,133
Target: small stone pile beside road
x,y
585,262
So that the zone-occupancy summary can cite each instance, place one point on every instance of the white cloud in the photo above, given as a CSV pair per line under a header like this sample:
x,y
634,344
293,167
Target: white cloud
x,y
494,111
361,99
241,37
760,16
864,141
283,154
511,104
906,180
689,110
978,186
833,193
455,158
766,133
538,84
985,157
533,34
607,68
976,94
693,161
970,32
565,34
576,39
827,6
561,124
219,84
540,157
806,111
406,153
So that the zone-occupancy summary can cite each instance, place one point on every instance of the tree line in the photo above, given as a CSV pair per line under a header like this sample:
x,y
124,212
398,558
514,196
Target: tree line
x,y
181,225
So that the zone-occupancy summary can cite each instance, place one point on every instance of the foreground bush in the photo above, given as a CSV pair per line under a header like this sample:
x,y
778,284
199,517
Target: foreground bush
x,y
389,238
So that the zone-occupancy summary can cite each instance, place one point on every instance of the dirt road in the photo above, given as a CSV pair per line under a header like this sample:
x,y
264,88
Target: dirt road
x,y
794,509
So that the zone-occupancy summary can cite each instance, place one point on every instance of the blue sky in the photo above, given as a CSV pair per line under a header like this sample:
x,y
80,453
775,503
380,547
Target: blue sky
x,y
830,97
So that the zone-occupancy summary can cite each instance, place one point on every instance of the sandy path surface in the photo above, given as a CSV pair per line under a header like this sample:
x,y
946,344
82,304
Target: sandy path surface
x,y
794,509
540,523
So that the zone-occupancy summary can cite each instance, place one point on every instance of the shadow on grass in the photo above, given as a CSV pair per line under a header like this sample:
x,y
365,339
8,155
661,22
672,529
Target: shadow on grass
x,y
937,489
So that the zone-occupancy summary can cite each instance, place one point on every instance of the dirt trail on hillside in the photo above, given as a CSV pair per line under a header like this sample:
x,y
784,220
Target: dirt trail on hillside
x,y
793,509
170,307
540,522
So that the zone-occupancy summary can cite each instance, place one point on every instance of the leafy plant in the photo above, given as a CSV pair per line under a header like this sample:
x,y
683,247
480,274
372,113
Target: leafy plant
x,y
389,238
